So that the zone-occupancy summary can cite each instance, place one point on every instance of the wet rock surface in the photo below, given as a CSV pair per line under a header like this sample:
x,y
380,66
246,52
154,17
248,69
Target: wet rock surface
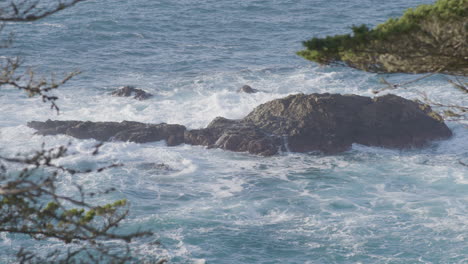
x,y
332,122
234,135
156,168
113,131
127,91
329,123
247,89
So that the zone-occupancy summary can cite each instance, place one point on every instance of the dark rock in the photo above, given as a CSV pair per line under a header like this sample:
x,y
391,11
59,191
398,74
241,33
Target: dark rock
x,y
329,123
127,91
107,131
247,89
311,122
393,122
159,167
234,135
209,135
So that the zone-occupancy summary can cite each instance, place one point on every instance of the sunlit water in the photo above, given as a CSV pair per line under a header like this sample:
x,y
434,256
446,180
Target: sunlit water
x,y
367,205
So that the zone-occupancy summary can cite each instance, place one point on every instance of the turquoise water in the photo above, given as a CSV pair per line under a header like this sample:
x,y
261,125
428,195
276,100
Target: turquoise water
x,y
367,205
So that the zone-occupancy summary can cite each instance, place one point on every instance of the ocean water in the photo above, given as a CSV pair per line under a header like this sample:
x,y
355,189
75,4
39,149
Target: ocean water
x,y
367,205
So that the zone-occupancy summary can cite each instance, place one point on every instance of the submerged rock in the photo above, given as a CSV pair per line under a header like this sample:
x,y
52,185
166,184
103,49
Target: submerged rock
x,y
127,91
247,89
329,123
159,168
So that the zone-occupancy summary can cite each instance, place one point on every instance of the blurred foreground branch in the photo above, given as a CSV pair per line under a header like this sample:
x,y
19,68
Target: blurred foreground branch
x,y
32,204
33,201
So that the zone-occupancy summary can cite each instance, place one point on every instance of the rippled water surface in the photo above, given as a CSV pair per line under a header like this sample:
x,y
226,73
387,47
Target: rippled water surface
x,y
367,205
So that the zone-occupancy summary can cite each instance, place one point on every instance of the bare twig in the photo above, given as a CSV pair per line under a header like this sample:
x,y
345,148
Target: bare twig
x,y
29,83
458,84
450,112
26,11
87,224
401,85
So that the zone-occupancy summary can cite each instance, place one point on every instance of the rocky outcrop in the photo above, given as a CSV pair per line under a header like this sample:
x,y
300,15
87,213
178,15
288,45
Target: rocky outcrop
x,y
234,135
127,91
108,131
332,122
426,39
329,123
247,89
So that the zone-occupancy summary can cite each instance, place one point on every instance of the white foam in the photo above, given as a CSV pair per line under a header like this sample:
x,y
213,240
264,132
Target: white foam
x,y
224,188
213,186
6,241
276,217
56,25
461,177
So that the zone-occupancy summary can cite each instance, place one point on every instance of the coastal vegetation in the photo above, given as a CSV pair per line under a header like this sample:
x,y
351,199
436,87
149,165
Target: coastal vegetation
x,y
428,38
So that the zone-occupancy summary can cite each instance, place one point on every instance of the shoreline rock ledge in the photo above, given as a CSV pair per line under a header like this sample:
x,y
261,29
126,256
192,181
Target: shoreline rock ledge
x,y
329,123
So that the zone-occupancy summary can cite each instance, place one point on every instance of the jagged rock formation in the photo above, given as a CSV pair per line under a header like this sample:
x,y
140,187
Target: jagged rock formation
x,y
127,91
429,38
235,135
329,123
